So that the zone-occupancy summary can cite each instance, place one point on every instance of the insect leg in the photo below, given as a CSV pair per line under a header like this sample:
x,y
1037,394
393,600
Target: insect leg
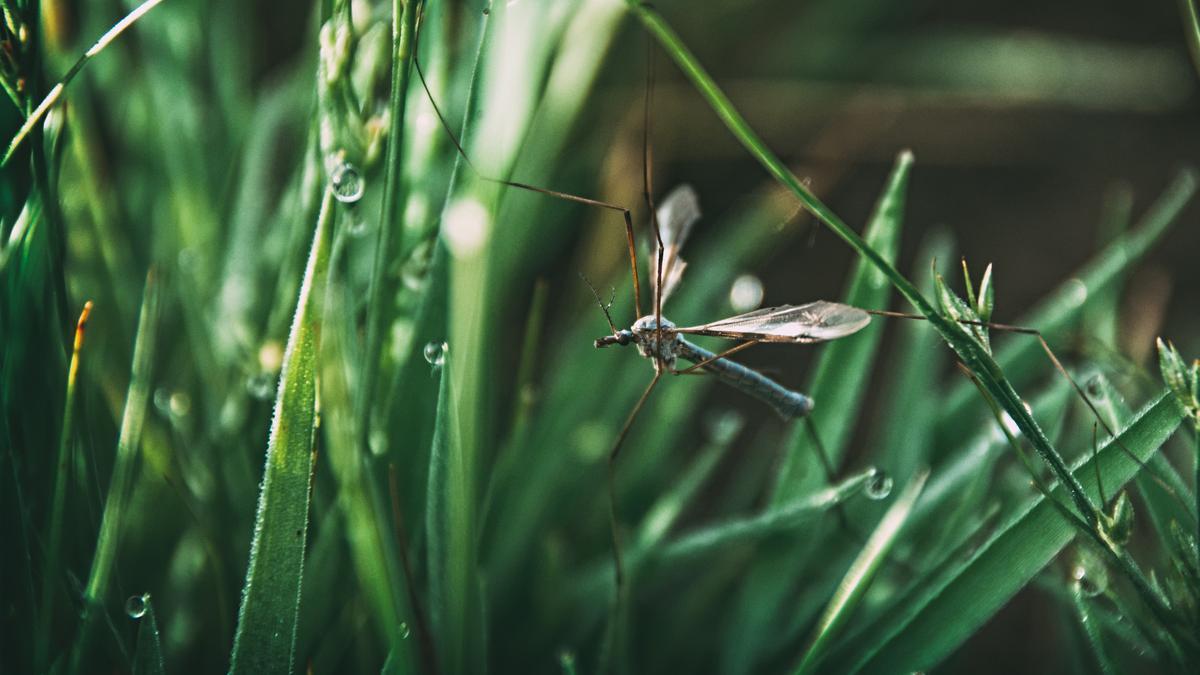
x,y
612,480
566,196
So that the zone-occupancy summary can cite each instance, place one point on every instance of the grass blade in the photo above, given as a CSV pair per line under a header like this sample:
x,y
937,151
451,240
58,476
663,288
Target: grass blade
x,y
862,571
931,621
1063,306
121,484
837,383
266,632
51,572
836,387
148,656
1091,629
56,91
450,545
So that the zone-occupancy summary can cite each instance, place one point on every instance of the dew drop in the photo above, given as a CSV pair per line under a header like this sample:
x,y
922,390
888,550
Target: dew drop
x,y
1088,585
347,183
261,386
435,353
404,631
486,11
746,293
162,401
879,485
136,605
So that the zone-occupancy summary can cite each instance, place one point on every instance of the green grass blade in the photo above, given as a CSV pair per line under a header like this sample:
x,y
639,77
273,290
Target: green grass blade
x,y
382,288
862,571
450,543
56,91
112,520
1091,630
911,398
1063,307
51,572
1191,30
837,388
148,655
266,631
939,614
972,352
778,519
845,365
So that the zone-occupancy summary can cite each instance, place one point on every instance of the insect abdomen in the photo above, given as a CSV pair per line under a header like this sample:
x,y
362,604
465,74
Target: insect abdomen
x,y
789,404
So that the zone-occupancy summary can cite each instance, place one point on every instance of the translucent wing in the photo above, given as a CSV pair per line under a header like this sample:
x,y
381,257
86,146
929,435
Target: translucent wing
x,y
676,216
814,322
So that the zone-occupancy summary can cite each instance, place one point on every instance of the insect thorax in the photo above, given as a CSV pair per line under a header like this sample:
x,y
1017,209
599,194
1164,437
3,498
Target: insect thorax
x,y
646,335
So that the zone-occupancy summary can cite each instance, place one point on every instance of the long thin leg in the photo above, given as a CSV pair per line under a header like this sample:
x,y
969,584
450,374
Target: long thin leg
x,y
618,563
648,194
1062,371
625,213
732,350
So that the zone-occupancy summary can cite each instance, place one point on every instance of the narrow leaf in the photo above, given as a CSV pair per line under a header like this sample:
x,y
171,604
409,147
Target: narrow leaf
x,y
148,656
862,571
940,613
266,631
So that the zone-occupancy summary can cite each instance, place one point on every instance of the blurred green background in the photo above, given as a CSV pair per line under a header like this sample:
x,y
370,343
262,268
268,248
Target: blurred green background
x,y
199,145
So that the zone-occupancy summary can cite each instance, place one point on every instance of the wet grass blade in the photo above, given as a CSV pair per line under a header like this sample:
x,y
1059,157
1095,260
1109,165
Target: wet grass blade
x,y
120,486
266,631
1091,630
837,388
862,571
148,656
450,548
930,621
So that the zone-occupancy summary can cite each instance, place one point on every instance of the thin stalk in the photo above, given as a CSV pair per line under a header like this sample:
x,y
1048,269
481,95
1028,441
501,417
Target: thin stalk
x,y
404,18
57,90
968,350
123,470
1191,30
50,573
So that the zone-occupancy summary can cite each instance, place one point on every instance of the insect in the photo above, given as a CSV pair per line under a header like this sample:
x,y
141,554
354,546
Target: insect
x,y
663,343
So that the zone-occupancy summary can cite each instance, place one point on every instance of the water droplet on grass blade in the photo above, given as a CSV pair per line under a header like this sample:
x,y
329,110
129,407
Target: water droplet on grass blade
x,y
1088,584
136,605
404,631
347,183
162,401
435,353
261,386
879,486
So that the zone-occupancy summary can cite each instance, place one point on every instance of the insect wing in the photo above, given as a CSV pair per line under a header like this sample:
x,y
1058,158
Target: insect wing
x,y
813,322
676,216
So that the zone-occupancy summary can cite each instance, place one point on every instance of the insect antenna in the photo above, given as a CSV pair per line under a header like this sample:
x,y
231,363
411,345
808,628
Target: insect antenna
x,y
603,306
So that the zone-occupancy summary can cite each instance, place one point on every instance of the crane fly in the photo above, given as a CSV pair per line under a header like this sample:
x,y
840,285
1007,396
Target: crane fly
x,y
661,341
664,343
